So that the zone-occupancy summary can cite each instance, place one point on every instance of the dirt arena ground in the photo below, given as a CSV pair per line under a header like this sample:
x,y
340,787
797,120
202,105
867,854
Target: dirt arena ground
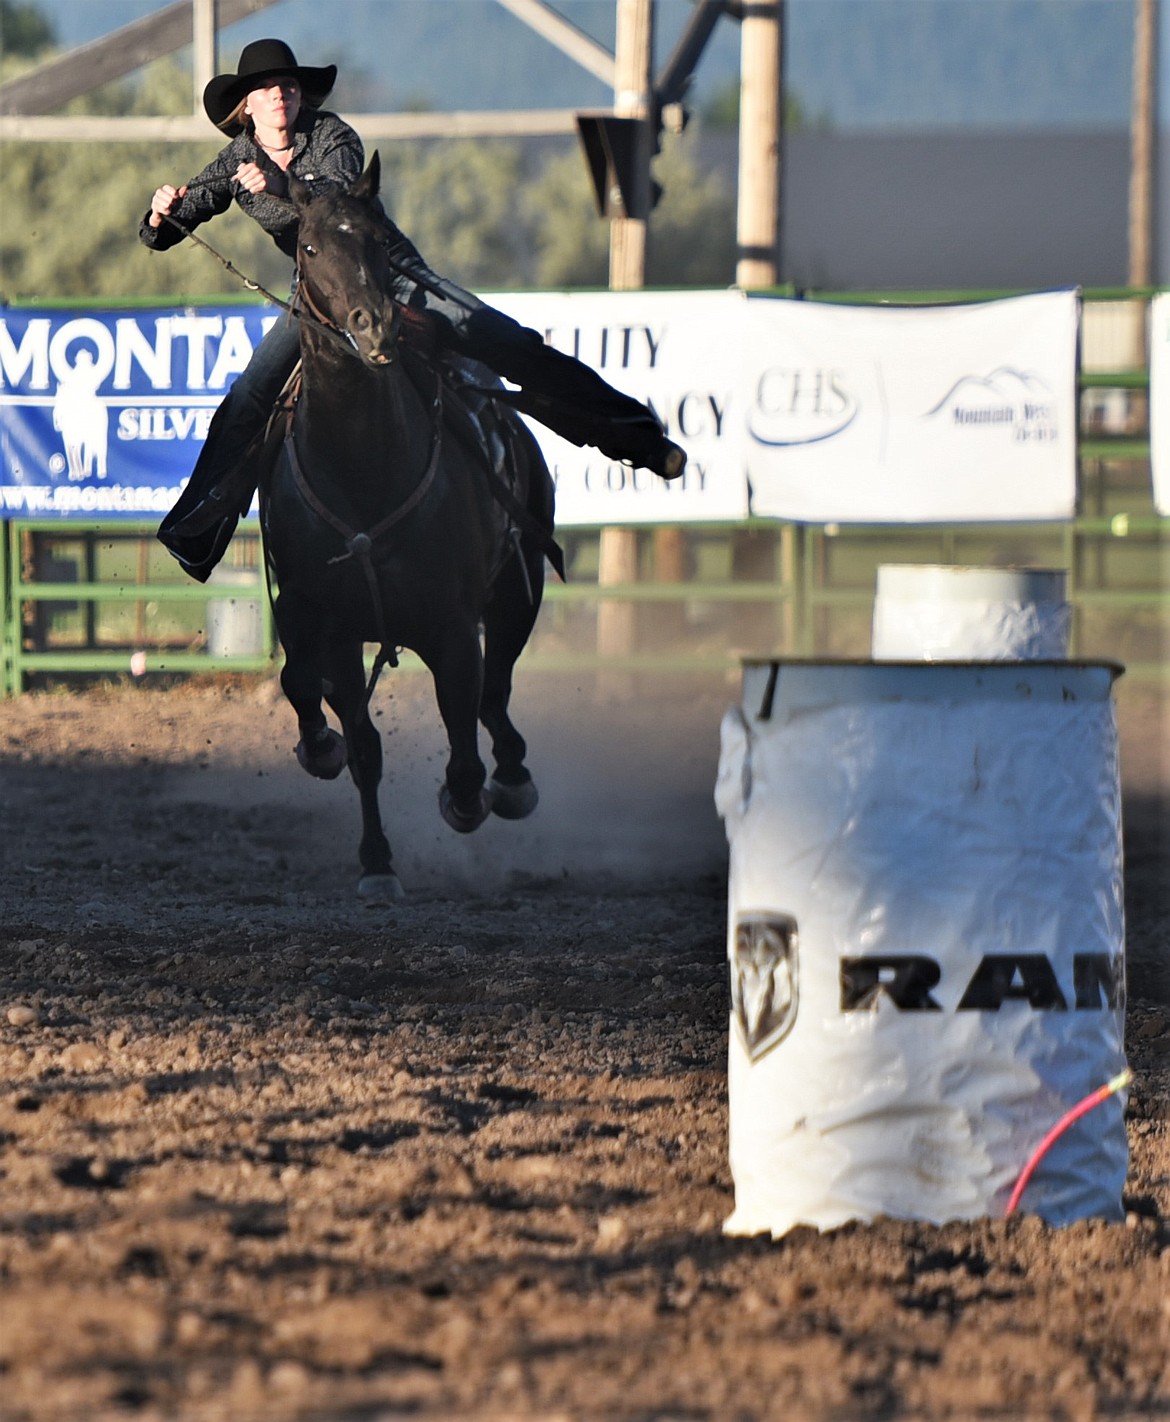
x,y
269,1153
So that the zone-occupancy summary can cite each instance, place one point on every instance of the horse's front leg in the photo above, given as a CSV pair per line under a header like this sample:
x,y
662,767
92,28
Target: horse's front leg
x,y
346,694
320,750
456,663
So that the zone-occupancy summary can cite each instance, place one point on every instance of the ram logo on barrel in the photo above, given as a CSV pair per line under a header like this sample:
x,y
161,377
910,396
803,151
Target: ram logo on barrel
x,y
764,980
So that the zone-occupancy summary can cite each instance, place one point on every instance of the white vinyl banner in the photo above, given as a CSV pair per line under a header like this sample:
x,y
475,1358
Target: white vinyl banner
x,y
680,353
1160,399
897,414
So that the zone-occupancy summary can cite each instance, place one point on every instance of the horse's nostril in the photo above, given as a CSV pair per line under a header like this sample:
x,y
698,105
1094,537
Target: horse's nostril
x,y
360,321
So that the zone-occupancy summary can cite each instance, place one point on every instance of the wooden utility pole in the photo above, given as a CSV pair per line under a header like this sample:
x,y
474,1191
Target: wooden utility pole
x,y
761,134
632,98
761,111
1141,170
205,50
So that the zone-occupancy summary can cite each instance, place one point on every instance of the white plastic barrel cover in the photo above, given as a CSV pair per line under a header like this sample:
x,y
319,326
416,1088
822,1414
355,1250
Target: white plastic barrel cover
x,y
935,612
925,937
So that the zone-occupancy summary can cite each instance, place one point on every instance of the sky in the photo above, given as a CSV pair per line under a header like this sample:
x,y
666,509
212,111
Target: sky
x,y
859,64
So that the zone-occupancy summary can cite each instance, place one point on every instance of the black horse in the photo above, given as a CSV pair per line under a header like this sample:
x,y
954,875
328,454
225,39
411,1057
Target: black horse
x,y
390,518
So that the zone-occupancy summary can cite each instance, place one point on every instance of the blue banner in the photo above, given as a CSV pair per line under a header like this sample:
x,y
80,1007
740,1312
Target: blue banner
x,y
103,413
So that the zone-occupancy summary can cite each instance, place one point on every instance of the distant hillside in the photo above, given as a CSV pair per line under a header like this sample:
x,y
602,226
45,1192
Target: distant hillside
x,y
860,64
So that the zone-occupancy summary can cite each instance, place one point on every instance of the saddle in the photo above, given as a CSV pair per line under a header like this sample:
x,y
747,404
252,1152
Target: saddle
x,y
491,429
491,432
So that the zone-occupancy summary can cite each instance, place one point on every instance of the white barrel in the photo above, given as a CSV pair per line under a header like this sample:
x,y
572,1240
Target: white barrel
x,y
235,626
935,613
925,941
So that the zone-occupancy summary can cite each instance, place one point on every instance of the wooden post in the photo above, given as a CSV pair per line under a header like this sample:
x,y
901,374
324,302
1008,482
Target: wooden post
x,y
1141,184
761,109
633,88
633,98
1141,171
761,132
204,50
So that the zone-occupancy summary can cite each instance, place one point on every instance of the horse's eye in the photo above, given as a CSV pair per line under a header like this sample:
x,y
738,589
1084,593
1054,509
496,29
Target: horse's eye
x,y
309,248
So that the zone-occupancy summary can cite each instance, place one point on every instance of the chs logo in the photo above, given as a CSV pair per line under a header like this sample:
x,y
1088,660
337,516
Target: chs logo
x,y
796,405
764,980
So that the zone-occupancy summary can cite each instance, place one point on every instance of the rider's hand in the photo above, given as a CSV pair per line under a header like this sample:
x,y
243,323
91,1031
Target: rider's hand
x,y
163,201
249,176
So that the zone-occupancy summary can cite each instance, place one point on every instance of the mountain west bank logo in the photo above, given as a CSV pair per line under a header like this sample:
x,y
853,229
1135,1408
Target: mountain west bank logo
x,y
797,405
764,980
1015,401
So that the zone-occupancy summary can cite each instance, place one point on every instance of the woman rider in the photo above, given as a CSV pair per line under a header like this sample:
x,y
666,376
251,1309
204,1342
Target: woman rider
x,y
271,109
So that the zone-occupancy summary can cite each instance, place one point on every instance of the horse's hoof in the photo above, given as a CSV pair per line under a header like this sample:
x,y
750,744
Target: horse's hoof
x,y
513,802
380,888
327,760
459,820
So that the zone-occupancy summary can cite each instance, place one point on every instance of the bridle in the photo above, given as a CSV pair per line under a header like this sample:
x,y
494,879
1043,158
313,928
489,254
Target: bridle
x,y
320,320
360,544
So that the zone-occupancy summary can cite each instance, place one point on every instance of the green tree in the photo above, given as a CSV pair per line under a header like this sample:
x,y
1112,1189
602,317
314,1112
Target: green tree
x,y
721,112
691,240
692,230
457,202
24,30
490,215
571,242
70,214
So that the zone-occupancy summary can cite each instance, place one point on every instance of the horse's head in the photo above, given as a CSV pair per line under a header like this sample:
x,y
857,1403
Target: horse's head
x,y
342,262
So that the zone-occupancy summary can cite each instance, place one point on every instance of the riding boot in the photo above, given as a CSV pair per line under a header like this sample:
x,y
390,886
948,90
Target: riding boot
x,y
230,495
200,553
567,395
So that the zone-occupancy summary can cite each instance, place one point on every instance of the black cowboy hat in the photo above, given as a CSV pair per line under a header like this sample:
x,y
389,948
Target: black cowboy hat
x,y
260,60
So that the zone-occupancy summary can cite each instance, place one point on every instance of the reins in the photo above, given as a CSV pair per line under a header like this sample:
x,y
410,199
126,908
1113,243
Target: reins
x,y
335,333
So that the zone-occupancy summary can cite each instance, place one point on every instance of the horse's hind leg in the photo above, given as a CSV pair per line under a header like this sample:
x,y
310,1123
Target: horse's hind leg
x,y
508,623
346,693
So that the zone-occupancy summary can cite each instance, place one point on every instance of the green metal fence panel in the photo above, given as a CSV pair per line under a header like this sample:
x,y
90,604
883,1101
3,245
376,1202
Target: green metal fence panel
x,y
132,620
821,605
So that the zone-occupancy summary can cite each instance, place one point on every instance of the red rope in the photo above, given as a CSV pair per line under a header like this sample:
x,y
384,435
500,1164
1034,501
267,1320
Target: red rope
x,y
1082,1108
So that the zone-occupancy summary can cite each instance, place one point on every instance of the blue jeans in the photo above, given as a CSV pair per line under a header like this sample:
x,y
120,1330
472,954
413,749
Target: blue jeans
x,y
237,423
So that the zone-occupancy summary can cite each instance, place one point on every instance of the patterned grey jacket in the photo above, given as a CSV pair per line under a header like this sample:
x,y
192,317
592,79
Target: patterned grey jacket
x,y
326,148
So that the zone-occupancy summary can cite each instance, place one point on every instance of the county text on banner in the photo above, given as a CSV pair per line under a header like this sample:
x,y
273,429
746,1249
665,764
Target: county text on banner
x,y
103,413
900,414
680,353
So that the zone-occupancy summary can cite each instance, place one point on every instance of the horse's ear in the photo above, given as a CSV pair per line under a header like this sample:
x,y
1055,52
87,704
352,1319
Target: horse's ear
x,y
298,191
367,185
